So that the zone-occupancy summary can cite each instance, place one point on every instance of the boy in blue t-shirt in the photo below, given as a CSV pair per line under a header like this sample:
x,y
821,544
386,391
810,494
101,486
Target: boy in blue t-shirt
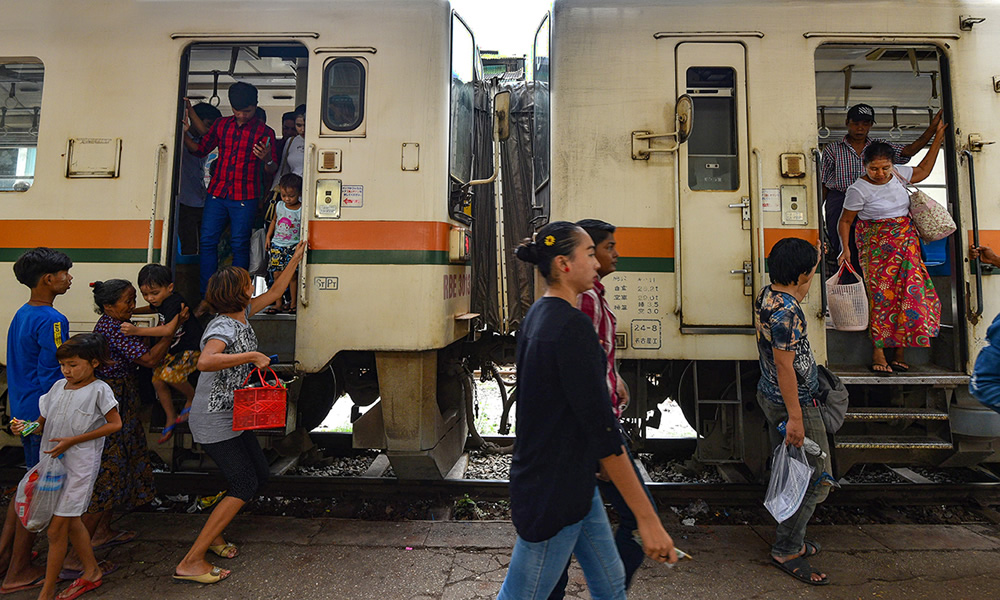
x,y
36,332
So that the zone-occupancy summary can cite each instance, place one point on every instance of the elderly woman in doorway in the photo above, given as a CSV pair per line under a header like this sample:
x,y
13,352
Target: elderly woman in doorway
x,y
125,480
904,308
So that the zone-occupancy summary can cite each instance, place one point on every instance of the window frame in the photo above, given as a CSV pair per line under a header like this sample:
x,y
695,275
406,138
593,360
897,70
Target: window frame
x,y
24,153
362,95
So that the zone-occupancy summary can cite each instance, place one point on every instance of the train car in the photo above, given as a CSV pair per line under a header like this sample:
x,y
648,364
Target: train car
x,y
91,104
697,127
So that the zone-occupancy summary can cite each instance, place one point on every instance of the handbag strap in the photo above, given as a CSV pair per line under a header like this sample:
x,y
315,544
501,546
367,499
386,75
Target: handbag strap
x,y
263,380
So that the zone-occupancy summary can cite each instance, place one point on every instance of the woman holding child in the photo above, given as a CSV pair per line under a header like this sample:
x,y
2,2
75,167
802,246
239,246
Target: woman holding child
x,y
126,476
228,355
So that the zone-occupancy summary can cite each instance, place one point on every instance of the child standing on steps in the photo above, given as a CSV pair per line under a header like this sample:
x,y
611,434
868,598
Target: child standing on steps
x,y
76,414
156,285
283,235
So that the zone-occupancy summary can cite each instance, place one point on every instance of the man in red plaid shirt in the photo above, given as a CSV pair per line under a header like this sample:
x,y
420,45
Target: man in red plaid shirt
x,y
244,143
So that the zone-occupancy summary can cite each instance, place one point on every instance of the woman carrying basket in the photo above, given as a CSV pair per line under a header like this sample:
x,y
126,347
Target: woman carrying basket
x,y
904,308
228,355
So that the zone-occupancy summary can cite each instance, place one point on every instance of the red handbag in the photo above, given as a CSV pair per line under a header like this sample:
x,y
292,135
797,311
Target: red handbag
x,y
260,406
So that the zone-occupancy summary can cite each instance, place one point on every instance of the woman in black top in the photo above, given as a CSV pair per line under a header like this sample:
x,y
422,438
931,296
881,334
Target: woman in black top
x,y
566,431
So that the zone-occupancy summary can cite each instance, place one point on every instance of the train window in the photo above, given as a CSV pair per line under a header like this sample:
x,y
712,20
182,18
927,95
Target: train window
x,y
713,163
463,70
540,73
20,111
344,94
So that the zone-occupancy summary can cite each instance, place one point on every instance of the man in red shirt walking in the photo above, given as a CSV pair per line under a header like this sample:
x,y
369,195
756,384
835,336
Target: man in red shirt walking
x,y
244,142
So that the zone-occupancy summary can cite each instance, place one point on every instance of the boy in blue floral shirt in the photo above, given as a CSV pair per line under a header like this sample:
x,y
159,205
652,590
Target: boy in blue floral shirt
x,y
787,391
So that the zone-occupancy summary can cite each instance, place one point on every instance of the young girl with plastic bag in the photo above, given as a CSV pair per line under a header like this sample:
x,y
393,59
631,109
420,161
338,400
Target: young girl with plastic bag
x,y
76,415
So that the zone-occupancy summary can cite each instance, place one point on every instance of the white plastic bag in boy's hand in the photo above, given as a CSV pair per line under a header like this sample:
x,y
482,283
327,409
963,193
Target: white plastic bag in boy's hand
x,y
790,477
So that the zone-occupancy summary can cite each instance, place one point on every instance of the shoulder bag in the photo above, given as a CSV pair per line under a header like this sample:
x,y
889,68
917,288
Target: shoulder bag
x,y
933,221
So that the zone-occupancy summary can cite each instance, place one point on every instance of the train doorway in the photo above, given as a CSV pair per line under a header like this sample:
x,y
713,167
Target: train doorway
x,y
906,87
715,234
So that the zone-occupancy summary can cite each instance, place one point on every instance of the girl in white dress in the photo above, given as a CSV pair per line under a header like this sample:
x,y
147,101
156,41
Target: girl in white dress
x,y
76,414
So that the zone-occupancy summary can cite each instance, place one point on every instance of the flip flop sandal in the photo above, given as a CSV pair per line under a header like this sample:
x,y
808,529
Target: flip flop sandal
x,y
122,537
214,576
168,432
181,418
272,311
228,550
812,548
898,366
20,588
107,567
800,569
888,370
83,586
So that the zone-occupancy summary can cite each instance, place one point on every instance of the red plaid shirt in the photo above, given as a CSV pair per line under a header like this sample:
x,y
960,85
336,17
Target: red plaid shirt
x,y
237,172
595,305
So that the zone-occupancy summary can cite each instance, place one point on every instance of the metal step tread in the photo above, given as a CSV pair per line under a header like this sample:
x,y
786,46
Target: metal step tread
x,y
917,375
900,442
887,413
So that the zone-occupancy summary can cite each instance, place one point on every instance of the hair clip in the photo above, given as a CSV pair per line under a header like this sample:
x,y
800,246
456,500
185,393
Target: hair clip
x,y
550,240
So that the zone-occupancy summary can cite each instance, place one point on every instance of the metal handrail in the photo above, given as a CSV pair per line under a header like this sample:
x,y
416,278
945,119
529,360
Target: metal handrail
x,y
821,219
974,316
160,150
308,214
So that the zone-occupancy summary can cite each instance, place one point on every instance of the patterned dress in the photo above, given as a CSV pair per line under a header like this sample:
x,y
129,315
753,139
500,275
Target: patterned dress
x,y
125,480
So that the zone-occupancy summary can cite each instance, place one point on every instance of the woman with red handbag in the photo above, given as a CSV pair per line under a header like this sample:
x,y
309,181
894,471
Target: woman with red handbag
x,y
229,352
904,308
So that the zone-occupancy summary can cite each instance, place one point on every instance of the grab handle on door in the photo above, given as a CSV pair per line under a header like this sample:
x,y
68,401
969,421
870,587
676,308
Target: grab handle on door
x,y
974,315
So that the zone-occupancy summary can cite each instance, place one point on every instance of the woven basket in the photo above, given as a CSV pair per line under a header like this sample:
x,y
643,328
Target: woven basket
x,y
261,407
847,301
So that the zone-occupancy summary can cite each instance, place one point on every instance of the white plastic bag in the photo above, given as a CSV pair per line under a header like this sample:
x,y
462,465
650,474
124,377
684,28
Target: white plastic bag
x,y
39,492
258,252
790,477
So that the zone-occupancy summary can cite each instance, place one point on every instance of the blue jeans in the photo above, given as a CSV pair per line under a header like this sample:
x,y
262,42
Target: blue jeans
x,y
32,449
630,552
217,214
791,533
535,567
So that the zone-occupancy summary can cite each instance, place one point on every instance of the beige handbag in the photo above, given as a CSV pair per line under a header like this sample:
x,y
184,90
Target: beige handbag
x,y
933,221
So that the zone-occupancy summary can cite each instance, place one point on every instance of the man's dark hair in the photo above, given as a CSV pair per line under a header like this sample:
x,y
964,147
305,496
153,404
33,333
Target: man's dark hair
x,y
290,181
877,150
206,111
288,116
242,95
597,229
155,274
38,262
790,258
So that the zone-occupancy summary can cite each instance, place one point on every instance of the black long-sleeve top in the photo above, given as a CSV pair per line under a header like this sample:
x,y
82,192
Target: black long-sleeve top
x,y
565,422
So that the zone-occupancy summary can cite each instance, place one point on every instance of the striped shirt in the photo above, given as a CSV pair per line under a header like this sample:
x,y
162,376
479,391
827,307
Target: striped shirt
x,y
237,174
595,305
842,166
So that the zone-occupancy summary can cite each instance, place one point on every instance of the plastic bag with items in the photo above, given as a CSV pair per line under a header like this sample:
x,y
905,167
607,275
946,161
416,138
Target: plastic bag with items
x,y
790,477
39,492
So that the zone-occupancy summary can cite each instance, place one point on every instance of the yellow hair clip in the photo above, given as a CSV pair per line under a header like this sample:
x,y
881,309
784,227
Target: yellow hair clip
x,y
550,240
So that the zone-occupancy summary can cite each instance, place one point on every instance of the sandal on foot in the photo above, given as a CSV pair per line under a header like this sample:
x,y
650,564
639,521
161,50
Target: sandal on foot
x,y
291,310
800,569
183,417
122,537
900,367
884,370
20,588
227,550
107,567
168,432
812,549
270,310
214,576
81,586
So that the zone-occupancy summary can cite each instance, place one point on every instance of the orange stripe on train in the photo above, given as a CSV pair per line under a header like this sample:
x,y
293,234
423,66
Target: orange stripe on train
x,y
23,233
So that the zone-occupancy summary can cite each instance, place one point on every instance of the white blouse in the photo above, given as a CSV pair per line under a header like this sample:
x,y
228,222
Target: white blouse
x,y
876,202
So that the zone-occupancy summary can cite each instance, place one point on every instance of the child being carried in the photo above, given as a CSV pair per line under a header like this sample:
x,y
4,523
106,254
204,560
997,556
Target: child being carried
x,y
157,287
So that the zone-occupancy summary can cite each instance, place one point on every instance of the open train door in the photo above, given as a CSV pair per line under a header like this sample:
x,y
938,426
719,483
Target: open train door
x,y
716,269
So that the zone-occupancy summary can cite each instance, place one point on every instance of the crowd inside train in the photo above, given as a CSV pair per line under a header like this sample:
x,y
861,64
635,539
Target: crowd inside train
x,y
75,400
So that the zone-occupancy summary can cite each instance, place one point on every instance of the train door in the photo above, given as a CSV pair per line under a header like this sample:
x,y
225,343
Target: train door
x,y
715,235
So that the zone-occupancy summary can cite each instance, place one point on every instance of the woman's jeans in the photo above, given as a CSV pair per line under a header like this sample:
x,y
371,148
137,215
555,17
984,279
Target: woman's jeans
x,y
791,532
217,214
536,566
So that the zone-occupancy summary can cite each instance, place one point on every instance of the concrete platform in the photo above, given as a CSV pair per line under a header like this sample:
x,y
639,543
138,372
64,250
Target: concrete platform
x,y
289,558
